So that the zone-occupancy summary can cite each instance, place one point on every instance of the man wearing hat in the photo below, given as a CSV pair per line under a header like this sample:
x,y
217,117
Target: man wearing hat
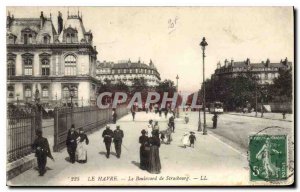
x,y
107,135
42,150
118,137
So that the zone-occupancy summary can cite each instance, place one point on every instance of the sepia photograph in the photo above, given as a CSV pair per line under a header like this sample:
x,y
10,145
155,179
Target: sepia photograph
x,y
150,96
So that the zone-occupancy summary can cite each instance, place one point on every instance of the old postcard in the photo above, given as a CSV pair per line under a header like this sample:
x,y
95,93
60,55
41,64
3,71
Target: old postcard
x,y
150,96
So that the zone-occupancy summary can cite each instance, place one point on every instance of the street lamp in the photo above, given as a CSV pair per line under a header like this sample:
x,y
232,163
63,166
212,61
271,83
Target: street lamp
x,y
199,121
203,44
177,111
17,99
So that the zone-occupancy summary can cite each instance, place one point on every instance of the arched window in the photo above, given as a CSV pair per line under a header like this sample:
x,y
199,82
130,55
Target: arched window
x,y
28,92
45,92
75,91
68,38
45,67
70,65
10,91
11,68
46,39
66,93
27,66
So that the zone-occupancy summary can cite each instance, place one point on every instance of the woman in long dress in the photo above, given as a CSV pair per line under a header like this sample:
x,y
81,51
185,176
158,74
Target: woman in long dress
x,y
82,142
144,150
154,160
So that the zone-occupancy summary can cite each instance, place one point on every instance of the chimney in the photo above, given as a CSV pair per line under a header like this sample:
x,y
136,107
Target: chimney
x,y
268,62
225,62
248,61
59,22
42,19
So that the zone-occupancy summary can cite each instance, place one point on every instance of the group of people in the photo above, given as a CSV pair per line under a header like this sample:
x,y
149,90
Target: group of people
x,y
76,144
115,136
188,139
149,151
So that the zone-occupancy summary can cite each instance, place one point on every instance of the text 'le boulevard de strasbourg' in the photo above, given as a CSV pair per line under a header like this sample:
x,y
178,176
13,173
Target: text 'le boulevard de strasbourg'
x,y
150,131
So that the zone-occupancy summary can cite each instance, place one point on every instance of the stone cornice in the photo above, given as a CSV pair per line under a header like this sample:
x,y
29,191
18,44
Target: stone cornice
x,y
50,78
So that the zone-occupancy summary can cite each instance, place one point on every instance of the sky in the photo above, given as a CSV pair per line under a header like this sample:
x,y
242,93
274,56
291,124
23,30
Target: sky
x,y
170,36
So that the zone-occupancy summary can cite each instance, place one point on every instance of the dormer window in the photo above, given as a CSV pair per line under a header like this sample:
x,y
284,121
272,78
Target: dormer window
x,y
70,35
46,39
28,35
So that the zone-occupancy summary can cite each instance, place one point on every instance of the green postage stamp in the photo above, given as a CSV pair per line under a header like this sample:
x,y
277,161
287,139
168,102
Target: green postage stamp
x,y
268,157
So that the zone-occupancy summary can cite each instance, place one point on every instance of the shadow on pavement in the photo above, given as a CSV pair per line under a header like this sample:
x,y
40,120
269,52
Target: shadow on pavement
x,y
136,163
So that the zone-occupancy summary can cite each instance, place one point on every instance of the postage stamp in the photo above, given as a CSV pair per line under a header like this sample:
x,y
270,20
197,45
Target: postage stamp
x,y
268,157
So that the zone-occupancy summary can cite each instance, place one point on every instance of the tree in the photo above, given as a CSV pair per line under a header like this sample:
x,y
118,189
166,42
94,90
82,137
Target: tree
x,y
282,88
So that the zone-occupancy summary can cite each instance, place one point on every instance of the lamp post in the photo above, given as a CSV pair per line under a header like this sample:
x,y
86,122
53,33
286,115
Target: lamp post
x,y
177,111
203,44
199,121
17,99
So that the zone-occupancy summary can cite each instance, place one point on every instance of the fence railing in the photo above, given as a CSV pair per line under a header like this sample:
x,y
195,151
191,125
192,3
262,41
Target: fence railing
x,y
88,118
20,135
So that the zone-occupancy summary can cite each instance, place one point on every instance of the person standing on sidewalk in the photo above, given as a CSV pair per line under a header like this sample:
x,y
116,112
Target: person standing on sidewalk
x,y
150,128
82,142
114,116
185,139
118,138
154,159
107,139
42,151
215,121
133,112
144,150
71,143
166,112
172,123
192,139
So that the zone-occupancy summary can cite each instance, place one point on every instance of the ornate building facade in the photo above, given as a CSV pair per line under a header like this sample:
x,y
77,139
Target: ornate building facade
x,y
60,63
264,71
127,71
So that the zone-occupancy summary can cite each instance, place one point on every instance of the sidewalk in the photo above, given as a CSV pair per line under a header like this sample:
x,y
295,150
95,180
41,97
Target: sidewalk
x,y
212,160
271,116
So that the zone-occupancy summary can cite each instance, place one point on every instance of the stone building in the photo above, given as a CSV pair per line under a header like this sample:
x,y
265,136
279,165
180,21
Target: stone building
x,y
126,71
264,71
56,62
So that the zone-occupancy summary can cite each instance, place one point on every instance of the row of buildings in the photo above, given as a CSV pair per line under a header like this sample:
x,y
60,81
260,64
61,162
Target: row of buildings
x,y
265,72
61,62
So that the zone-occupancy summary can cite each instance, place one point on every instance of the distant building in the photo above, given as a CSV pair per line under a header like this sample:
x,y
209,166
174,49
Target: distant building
x,y
264,71
53,61
127,71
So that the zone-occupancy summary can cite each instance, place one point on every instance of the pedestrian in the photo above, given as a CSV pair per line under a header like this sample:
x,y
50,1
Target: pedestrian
x,y
133,112
144,150
172,122
185,139
82,142
283,115
166,112
71,143
154,160
186,118
42,151
114,116
107,139
150,128
159,111
156,127
192,139
169,134
118,138
215,121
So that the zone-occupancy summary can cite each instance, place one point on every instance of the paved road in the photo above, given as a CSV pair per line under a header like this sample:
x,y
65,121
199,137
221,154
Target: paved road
x,y
211,162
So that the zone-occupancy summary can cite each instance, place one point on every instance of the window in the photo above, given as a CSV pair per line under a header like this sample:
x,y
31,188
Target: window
x,y
11,68
28,92
266,75
119,71
45,67
11,91
46,39
66,93
68,36
29,39
11,39
70,65
25,39
27,66
45,92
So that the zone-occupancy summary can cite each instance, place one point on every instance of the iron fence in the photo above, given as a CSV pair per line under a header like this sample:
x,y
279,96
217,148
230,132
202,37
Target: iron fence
x,y
88,118
20,135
